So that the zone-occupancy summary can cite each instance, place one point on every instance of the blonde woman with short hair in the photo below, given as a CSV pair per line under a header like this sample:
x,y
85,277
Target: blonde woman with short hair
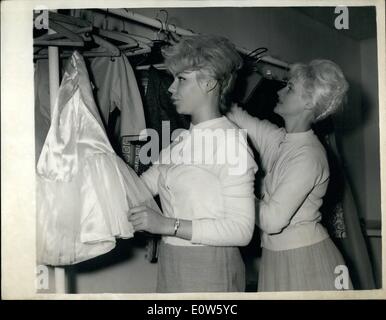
x,y
208,211
297,251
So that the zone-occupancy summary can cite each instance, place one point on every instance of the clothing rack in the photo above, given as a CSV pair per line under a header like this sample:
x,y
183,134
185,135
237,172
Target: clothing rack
x,y
132,16
155,23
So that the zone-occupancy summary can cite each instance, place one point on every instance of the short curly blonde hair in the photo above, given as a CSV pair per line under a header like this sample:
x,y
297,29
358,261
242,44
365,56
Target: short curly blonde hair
x,y
214,55
324,84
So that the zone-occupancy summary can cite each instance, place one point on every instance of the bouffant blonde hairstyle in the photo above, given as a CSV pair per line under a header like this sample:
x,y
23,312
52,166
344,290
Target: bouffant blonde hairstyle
x,y
211,55
324,85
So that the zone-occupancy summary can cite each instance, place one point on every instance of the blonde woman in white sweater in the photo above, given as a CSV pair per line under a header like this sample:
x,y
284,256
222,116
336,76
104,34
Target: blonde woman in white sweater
x,y
204,178
297,251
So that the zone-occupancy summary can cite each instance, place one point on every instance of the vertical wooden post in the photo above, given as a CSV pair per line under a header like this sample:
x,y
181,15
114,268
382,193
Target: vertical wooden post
x,y
53,64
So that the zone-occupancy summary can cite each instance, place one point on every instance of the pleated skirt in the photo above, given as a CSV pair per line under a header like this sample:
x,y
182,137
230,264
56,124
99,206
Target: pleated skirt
x,y
200,269
316,267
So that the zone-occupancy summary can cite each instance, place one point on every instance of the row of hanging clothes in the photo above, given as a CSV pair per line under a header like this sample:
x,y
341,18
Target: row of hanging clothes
x,y
123,101
87,147
84,189
114,88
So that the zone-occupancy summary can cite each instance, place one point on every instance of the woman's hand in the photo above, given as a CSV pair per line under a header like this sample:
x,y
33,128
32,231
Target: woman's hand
x,y
144,218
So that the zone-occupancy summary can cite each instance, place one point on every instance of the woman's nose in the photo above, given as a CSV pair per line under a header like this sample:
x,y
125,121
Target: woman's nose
x,y
172,88
280,92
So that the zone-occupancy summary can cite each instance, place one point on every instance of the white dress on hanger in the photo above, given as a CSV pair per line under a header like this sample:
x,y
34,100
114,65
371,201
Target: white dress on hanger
x,y
84,190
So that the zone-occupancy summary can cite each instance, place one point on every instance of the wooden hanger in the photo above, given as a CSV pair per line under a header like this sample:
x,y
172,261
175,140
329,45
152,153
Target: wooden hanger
x,y
141,39
128,41
132,44
159,66
63,37
70,20
143,42
56,36
131,53
105,49
66,27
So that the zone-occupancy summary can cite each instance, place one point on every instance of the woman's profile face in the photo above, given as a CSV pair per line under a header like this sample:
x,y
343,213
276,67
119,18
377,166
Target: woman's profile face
x,y
291,99
186,92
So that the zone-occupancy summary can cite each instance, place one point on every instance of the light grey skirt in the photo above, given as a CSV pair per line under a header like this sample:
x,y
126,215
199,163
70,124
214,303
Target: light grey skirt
x,y
200,269
316,267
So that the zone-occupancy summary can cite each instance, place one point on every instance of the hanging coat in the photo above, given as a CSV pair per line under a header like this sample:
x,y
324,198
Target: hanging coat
x,y
84,190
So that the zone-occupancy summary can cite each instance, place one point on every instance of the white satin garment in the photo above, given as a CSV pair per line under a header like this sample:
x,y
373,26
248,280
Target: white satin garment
x,y
84,190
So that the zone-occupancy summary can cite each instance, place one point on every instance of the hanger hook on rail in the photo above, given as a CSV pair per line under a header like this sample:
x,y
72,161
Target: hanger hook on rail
x,y
164,24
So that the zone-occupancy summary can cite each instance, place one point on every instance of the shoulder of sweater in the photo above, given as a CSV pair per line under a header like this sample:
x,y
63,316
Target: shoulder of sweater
x,y
310,154
228,129
311,143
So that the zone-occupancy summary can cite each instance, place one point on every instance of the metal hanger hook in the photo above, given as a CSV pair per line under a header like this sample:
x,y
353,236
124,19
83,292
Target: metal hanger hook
x,y
164,24
166,16
160,30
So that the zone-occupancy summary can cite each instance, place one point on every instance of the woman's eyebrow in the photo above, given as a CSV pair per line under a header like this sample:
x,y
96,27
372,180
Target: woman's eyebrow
x,y
186,71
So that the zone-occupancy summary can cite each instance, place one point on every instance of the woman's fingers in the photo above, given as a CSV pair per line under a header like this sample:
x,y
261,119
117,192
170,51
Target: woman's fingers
x,y
135,219
137,216
138,225
139,220
145,219
144,209
138,209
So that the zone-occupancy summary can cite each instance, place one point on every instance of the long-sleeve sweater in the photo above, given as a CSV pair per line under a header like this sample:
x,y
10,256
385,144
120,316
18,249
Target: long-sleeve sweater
x,y
208,181
296,180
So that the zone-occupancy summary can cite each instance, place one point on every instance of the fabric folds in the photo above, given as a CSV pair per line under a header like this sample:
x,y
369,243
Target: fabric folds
x,y
84,190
